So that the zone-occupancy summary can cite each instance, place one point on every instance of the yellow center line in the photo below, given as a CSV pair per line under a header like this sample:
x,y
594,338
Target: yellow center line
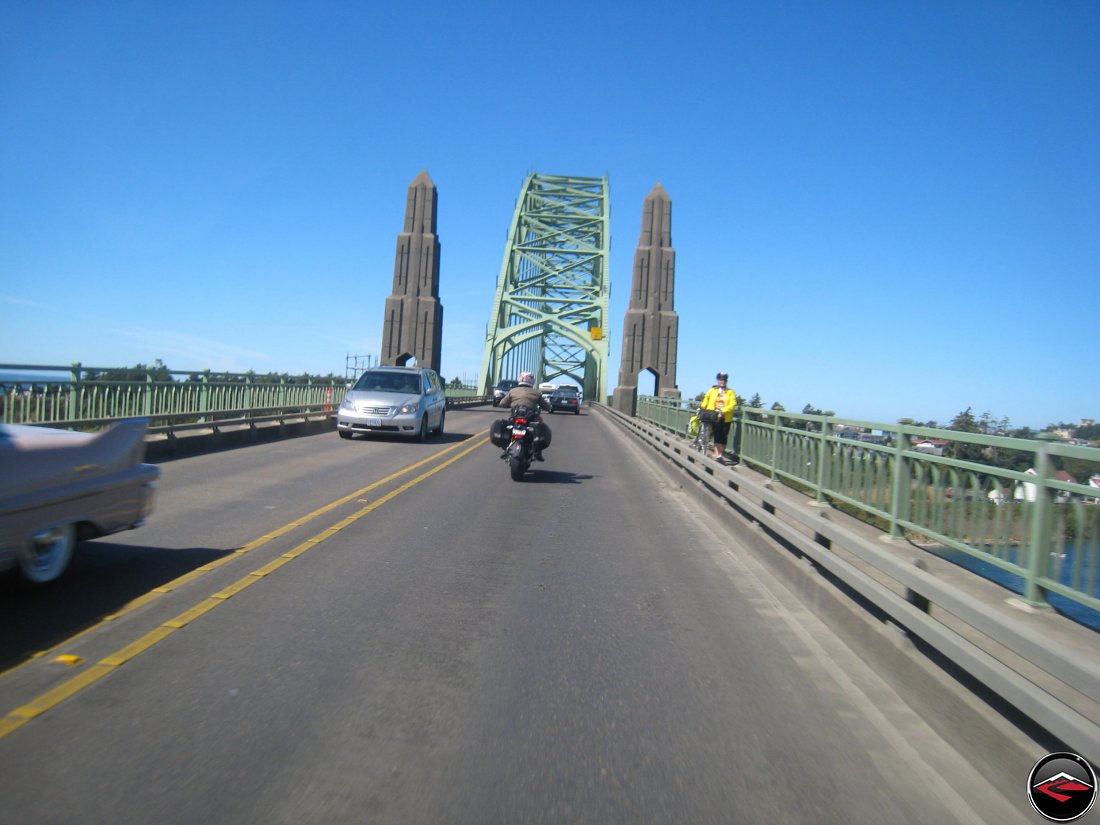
x,y
198,572
50,699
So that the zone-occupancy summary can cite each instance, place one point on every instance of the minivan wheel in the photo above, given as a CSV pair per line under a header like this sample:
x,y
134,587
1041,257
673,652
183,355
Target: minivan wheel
x,y
423,434
345,433
439,429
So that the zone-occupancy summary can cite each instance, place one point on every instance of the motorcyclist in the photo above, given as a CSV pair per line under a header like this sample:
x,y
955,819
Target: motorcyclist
x,y
525,395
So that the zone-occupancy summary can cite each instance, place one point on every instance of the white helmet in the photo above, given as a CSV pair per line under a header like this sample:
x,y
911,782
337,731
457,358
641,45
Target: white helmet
x,y
526,379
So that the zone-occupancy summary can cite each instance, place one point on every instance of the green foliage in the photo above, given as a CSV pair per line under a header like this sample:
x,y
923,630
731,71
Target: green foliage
x,y
138,372
1082,521
1090,432
965,422
757,402
993,426
1080,470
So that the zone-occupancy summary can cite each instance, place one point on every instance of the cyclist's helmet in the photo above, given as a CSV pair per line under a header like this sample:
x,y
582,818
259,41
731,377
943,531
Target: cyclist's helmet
x,y
722,376
526,379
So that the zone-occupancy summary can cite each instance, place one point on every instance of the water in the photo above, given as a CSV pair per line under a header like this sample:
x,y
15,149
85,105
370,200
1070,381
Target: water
x,y
10,379
1078,612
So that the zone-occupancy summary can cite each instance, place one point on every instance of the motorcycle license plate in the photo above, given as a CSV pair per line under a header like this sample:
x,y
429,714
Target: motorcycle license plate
x,y
519,433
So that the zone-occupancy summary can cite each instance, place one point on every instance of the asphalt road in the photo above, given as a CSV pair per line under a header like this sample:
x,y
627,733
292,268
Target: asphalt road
x,y
448,646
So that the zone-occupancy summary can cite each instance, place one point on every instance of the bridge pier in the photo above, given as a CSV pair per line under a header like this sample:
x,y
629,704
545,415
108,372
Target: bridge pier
x,y
651,327
413,324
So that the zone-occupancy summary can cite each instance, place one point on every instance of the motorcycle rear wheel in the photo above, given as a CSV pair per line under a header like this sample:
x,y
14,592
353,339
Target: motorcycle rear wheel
x,y
518,467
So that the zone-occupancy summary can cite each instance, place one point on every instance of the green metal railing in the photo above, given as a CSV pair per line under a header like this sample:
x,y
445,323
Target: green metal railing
x,y
74,397
170,399
941,488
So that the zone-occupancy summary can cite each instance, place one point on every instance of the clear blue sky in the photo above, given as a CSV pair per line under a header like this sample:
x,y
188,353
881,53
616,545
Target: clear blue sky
x,y
885,209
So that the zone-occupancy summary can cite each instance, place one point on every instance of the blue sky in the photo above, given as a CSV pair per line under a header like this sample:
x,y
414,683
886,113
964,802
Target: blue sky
x,y
885,209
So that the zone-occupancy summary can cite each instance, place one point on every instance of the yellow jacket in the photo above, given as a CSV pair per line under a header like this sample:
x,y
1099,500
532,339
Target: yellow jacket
x,y
729,402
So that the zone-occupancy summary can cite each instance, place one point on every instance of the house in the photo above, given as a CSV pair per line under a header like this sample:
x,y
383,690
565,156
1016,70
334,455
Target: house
x,y
931,446
1025,490
1028,491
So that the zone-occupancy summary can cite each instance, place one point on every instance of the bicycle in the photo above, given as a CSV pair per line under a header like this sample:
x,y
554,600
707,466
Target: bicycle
x,y
700,434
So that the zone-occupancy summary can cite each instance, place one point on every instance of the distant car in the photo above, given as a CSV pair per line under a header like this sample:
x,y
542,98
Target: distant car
x,y
59,487
501,390
406,401
565,398
573,387
546,389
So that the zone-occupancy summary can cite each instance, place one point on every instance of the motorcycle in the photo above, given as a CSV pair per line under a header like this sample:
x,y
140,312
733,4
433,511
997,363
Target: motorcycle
x,y
516,436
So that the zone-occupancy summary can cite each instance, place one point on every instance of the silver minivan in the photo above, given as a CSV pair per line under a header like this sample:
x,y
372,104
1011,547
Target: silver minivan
x,y
407,401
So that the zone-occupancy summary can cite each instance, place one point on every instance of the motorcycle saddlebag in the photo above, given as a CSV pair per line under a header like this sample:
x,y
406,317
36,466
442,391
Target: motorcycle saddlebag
x,y
544,441
498,434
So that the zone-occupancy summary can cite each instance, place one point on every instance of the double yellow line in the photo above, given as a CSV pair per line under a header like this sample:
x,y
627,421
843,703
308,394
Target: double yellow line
x,y
36,707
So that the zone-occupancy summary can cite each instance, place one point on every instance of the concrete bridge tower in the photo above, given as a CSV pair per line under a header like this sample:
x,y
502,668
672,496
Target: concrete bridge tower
x,y
413,326
651,326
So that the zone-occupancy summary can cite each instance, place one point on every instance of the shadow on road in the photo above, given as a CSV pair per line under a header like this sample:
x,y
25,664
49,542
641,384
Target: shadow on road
x,y
538,476
101,579
390,438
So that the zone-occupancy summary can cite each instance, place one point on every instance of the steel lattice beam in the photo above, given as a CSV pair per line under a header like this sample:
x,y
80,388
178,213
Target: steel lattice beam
x,y
550,311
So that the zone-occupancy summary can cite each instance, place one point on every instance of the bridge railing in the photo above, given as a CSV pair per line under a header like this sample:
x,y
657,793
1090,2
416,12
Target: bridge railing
x,y
1035,529
1044,669
78,397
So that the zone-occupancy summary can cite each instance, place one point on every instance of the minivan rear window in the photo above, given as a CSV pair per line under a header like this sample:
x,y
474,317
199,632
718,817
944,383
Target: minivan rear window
x,y
407,383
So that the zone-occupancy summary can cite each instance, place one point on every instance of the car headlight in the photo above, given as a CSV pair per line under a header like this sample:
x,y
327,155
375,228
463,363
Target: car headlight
x,y
347,405
410,407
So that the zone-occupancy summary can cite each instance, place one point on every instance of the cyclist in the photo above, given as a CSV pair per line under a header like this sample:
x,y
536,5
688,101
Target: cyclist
x,y
723,401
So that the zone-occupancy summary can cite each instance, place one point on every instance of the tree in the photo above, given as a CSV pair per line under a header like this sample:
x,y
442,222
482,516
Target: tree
x,y
138,372
965,422
811,426
1089,432
757,402
992,426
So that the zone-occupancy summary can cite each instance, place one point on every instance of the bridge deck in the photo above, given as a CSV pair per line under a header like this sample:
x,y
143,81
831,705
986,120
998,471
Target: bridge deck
x,y
320,630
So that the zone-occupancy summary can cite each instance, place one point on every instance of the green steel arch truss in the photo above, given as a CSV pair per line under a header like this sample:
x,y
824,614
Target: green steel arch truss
x,y
550,311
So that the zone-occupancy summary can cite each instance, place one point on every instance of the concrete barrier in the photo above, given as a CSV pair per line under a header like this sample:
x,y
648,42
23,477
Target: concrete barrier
x,y
179,442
